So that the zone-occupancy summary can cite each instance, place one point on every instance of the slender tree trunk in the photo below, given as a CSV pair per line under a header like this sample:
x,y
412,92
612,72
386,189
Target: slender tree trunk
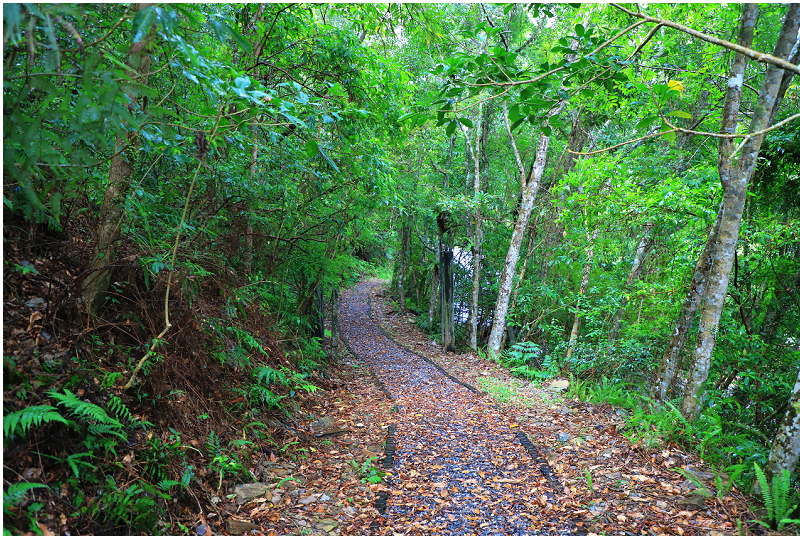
x,y
248,239
576,325
446,280
335,324
477,235
526,207
434,285
669,361
510,327
641,252
120,175
786,447
402,264
734,178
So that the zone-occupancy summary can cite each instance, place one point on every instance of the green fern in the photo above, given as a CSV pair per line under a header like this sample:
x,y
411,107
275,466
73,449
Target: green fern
x,y
780,501
122,412
16,493
265,376
89,412
32,416
264,396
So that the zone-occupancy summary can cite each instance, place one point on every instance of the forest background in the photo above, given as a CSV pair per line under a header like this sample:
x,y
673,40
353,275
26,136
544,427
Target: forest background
x,y
186,188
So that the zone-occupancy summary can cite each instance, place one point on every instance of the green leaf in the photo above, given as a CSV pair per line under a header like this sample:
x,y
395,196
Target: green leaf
x,y
680,114
142,22
312,148
450,129
328,159
465,122
646,122
546,130
579,30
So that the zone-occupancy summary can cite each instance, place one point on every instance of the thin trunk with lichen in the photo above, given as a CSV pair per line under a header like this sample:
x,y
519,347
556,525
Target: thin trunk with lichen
x,y
735,177
785,449
669,361
525,209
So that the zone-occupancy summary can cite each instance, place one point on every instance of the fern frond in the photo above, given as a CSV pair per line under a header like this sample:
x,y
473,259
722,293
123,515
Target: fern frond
x,y
765,492
16,493
264,396
86,410
167,484
264,376
32,416
122,412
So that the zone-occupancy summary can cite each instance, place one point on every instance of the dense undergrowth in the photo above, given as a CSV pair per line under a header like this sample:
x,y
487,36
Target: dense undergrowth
x,y
82,454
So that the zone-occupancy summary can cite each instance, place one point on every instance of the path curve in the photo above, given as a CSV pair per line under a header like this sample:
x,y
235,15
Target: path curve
x,y
458,468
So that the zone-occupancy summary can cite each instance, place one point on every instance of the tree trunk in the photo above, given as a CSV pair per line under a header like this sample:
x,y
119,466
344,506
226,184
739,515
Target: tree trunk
x,y
434,285
318,314
669,361
446,281
477,235
786,447
734,178
641,252
576,325
401,265
248,239
335,324
526,207
120,175
448,333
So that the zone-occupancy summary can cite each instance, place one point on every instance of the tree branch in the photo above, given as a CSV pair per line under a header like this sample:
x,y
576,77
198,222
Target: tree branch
x,y
750,53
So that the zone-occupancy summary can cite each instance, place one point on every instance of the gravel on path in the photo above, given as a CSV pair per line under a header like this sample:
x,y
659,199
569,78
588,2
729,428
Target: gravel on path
x,y
458,468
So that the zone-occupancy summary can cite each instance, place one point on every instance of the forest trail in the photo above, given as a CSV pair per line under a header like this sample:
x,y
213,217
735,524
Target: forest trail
x,y
458,467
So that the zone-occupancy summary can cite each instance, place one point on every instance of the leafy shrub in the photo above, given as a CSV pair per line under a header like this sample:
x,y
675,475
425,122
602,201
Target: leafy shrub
x,y
523,359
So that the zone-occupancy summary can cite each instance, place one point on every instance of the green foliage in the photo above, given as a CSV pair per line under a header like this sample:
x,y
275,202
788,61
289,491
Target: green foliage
x,y
524,359
103,424
20,422
13,497
780,500
369,472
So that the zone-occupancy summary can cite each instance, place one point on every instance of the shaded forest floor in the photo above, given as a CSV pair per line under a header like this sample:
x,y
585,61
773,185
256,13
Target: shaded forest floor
x,y
634,489
324,468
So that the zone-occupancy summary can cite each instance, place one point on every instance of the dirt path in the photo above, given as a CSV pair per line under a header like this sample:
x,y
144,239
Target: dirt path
x,y
458,468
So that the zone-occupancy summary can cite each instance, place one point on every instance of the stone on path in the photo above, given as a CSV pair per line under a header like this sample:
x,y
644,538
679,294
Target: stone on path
x,y
558,385
327,524
250,491
238,527
309,499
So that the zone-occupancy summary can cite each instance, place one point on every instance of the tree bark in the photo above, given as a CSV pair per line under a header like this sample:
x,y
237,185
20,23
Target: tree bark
x,y
401,265
786,447
526,207
120,175
335,324
734,178
669,361
576,325
641,252
477,235
434,285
